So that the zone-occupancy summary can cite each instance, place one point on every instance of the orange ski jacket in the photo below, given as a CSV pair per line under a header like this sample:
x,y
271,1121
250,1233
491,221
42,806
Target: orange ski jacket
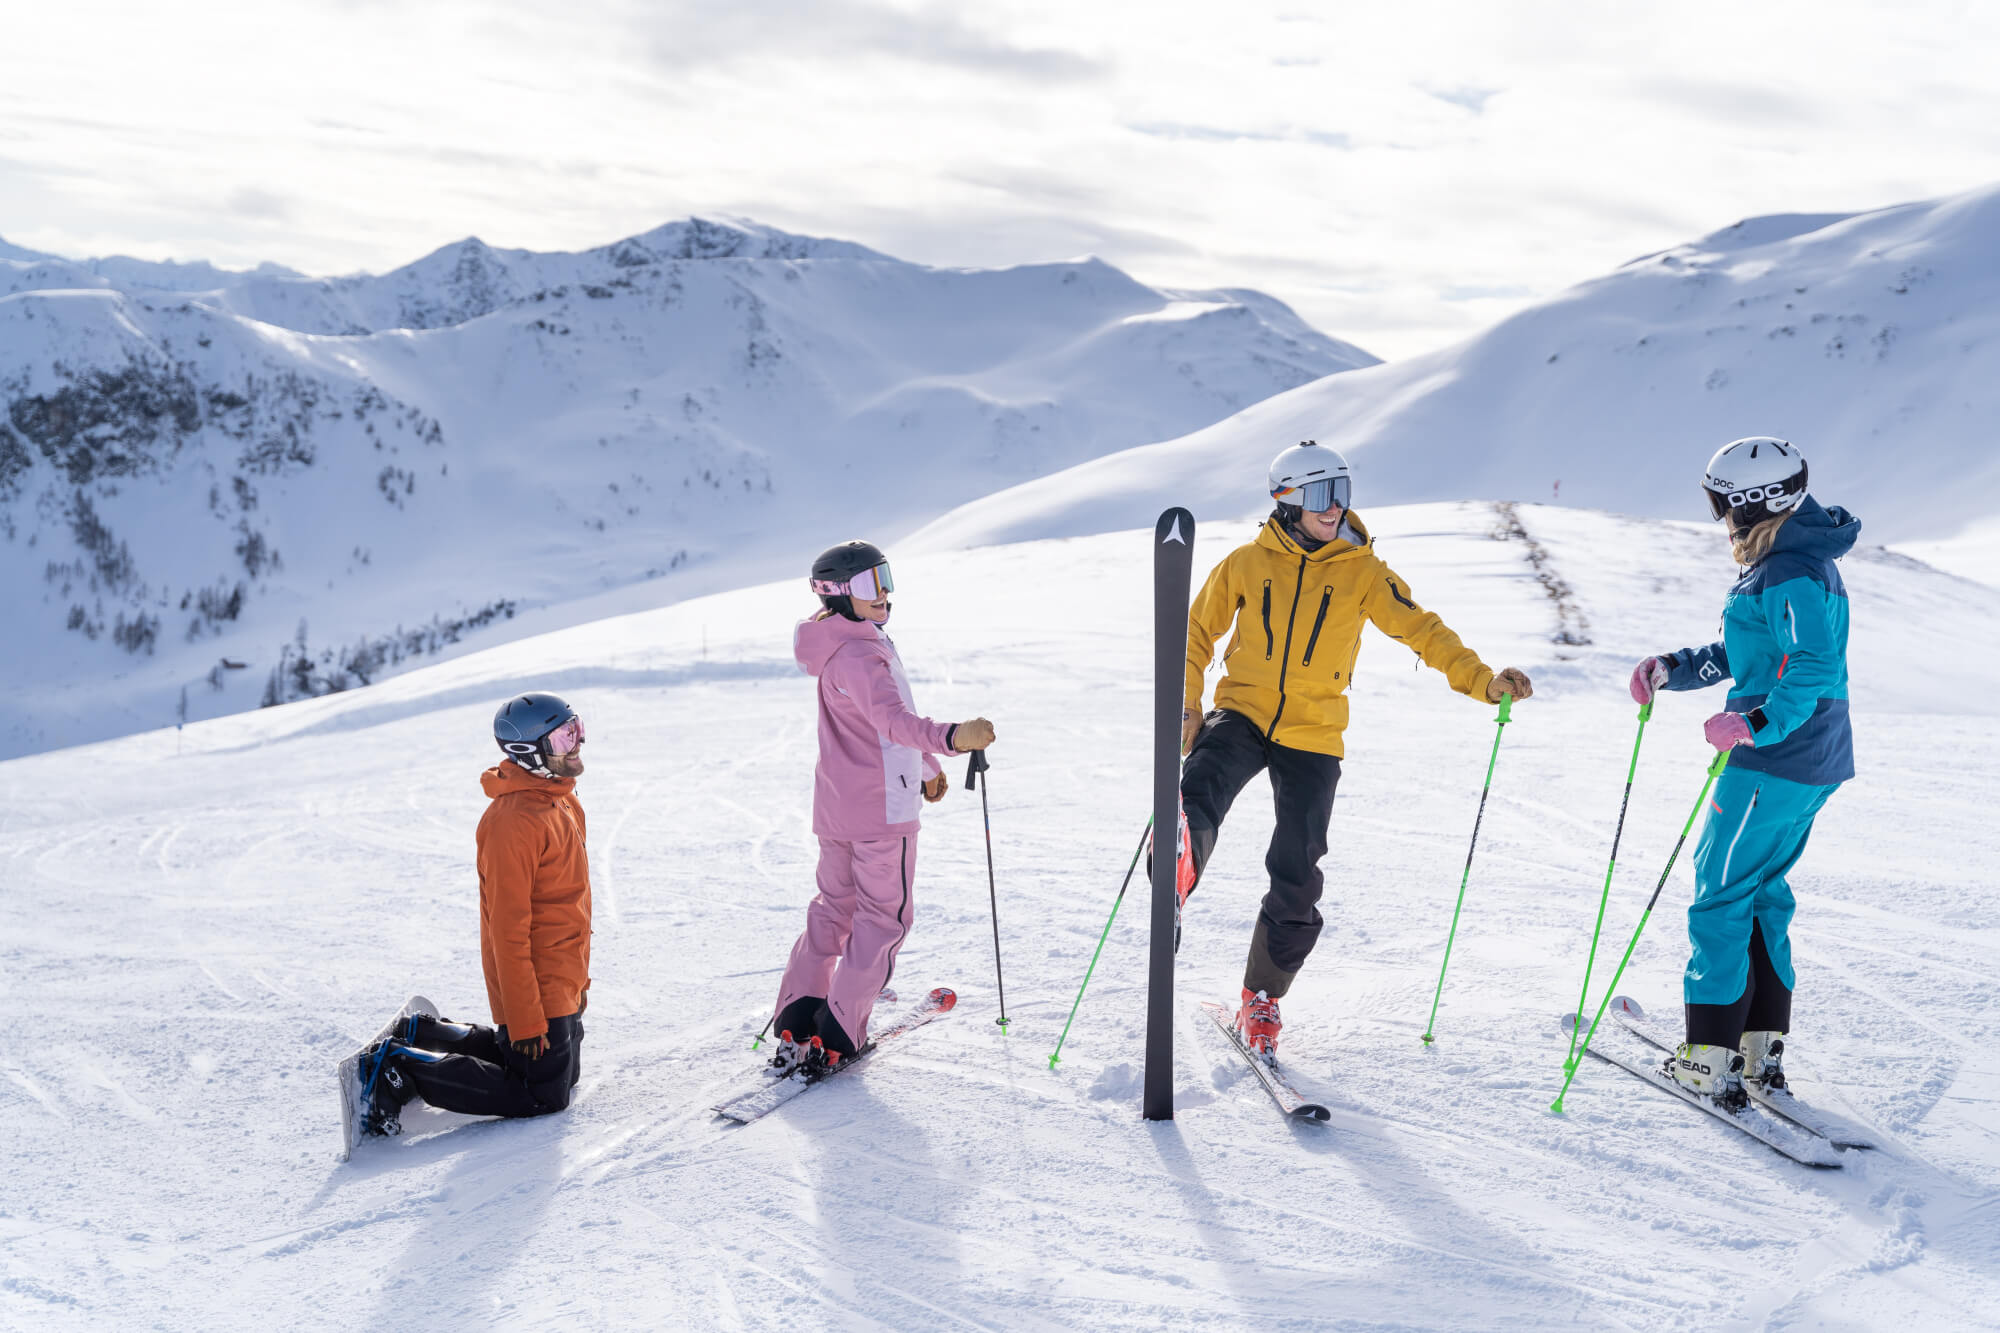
x,y
534,899
1298,617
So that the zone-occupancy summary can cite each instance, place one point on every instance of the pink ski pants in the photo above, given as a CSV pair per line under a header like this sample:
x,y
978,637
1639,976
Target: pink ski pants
x,y
855,926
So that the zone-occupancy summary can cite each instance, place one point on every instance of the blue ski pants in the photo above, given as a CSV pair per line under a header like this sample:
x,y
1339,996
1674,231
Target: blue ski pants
x,y
1757,828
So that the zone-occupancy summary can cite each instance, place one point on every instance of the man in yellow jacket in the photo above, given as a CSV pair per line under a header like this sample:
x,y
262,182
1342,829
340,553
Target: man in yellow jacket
x,y
1297,596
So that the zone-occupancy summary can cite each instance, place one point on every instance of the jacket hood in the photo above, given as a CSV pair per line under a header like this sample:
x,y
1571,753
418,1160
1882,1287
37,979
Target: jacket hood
x,y
1273,535
506,778
1821,533
816,640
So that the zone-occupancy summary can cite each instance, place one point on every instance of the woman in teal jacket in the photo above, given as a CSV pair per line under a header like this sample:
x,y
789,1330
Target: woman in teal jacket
x,y
1784,645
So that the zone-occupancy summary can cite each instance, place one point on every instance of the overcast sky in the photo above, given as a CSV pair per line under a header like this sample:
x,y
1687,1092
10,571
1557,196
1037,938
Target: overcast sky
x,y
1403,174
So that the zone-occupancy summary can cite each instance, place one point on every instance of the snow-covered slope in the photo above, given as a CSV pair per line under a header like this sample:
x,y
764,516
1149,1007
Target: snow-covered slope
x,y
198,926
323,479
1872,340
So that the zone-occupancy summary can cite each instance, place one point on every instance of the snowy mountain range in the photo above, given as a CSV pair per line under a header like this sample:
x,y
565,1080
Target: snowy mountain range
x,y
324,479
1871,339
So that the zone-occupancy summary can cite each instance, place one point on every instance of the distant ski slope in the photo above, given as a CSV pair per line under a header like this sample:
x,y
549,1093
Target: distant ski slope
x,y
198,926
1872,340
194,464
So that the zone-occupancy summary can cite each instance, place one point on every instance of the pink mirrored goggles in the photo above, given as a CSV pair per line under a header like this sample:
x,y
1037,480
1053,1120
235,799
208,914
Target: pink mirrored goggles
x,y
866,586
564,738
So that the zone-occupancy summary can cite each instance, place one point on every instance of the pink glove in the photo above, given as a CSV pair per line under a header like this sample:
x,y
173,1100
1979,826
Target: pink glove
x,y
1726,731
1647,677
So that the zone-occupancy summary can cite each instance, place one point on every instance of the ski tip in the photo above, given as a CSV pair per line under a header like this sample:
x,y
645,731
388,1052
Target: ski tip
x,y
944,997
1628,1006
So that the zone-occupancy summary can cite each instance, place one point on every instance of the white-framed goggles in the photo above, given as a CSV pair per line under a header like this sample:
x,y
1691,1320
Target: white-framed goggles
x,y
1315,496
866,586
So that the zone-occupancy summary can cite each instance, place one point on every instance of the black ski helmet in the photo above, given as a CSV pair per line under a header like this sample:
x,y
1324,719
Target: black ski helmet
x,y
524,723
839,564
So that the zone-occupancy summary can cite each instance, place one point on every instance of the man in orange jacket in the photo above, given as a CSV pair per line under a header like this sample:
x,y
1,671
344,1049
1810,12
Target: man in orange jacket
x,y
534,940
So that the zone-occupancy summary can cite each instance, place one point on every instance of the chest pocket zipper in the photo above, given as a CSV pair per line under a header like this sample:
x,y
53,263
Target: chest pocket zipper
x,y
1325,600
1270,643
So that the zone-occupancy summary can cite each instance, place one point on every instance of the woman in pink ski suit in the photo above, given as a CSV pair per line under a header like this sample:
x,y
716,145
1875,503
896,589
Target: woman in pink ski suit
x,y
877,758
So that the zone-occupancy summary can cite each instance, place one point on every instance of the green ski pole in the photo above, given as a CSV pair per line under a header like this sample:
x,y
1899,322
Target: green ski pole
x,y
1714,771
1583,996
1106,934
1506,704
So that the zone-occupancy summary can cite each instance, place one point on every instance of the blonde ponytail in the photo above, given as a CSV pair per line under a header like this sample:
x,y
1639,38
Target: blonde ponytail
x,y
1755,544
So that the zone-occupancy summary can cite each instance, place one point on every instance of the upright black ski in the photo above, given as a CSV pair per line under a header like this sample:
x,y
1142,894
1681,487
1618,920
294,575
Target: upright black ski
x,y
1173,571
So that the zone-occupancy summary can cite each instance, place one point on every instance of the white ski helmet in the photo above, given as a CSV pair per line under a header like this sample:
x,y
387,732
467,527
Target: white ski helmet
x,y
1310,476
1754,478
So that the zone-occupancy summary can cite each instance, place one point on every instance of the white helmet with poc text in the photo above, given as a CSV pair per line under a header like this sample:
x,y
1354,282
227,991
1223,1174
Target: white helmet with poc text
x,y
1311,476
1755,478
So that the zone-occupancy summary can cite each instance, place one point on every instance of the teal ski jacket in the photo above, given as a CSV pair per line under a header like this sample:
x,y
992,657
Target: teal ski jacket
x,y
1784,643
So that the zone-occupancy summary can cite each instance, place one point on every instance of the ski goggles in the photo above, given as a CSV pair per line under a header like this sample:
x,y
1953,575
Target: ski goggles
x,y
565,738
1761,501
866,586
1315,496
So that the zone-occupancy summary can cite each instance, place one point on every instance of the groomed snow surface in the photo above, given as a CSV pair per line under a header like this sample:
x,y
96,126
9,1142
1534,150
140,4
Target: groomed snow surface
x,y
200,925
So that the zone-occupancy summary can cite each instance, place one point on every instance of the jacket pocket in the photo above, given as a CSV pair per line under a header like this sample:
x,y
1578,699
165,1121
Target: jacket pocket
x,y
1270,642
1325,600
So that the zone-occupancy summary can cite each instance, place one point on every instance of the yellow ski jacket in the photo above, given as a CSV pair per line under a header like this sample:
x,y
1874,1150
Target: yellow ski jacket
x,y
1298,617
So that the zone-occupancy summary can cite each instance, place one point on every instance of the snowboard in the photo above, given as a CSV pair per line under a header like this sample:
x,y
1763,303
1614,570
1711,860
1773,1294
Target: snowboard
x,y
351,1075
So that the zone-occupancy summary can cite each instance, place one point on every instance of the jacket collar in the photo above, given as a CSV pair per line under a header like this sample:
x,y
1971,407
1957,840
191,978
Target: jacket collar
x,y
1353,539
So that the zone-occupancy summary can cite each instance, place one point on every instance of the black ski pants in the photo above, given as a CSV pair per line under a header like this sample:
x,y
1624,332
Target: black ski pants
x,y
1228,751
475,1070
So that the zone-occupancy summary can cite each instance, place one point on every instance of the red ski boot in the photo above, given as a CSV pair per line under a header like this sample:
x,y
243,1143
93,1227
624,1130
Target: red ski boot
x,y
1184,875
1259,1023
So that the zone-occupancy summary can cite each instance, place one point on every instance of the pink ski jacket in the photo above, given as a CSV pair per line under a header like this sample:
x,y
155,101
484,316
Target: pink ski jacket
x,y
874,750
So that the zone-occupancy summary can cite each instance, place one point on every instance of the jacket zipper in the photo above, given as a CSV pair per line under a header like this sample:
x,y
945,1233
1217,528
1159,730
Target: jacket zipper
x,y
1286,665
1325,600
1270,644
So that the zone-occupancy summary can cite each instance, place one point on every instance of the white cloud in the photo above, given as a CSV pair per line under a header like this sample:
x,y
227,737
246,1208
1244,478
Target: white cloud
x,y
1402,175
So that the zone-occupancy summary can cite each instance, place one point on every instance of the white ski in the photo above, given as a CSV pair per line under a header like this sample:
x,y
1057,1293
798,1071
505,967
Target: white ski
x,y
350,1076
1282,1092
1837,1130
771,1093
1794,1142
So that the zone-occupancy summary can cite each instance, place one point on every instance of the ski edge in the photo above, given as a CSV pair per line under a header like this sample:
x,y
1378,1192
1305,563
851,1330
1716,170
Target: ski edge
x,y
1835,1129
1771,1133
1288,1098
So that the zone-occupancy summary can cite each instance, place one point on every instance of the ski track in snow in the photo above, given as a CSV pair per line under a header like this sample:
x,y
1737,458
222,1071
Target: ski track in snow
x,y
197,940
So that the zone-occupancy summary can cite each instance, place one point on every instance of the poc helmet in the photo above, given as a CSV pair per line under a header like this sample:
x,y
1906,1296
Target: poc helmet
x,y
522,726
1310,476
1752,479
850,570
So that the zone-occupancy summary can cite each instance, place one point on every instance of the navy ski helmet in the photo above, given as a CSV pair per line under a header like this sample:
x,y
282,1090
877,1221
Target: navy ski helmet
x,y
523,725
850,570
